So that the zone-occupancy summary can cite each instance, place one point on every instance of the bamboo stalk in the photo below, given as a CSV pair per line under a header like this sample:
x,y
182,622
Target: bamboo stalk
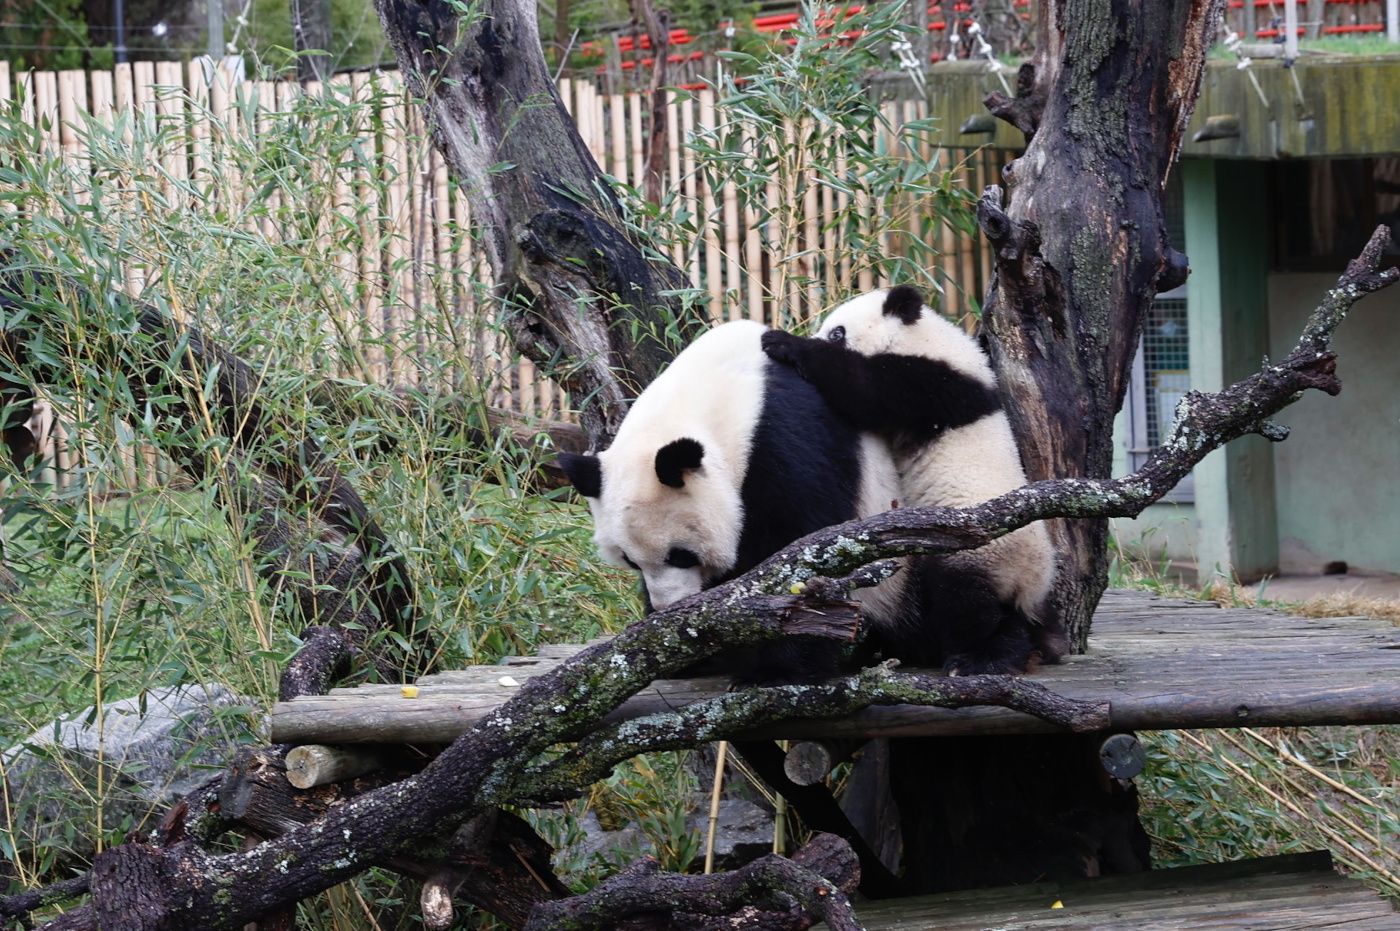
x,y
721,752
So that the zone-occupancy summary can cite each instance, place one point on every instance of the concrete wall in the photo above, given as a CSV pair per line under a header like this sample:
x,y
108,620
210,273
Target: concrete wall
x,y
1338,476
1163,531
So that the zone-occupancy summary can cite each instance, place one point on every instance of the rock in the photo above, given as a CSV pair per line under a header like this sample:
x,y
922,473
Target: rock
x,y
155,747
744,830
600,847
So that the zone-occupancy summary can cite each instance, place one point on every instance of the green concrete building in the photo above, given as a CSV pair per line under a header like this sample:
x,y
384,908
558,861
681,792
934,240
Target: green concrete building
x,y
1284,175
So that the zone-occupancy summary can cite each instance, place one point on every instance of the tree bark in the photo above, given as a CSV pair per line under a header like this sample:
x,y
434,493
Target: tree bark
x,y
311,36
1083,249
577,284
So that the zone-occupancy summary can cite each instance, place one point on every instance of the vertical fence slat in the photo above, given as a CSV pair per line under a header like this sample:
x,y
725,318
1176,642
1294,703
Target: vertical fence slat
x,y
753,243
713,273
687,112
673,164
811,246
634,132
396,224
370,332
617,129
46,108
170,105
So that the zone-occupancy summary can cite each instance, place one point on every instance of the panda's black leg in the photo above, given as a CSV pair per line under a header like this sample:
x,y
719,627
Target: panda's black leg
x,y
1010,650
979,634
787,661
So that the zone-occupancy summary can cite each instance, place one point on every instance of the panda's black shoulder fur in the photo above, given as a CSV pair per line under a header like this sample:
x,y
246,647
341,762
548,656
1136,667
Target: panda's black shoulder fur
x,y
909,400
804,474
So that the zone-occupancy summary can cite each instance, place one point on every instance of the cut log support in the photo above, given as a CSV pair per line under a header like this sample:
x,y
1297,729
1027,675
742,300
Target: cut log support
x,y
1122,756
808,762
317,765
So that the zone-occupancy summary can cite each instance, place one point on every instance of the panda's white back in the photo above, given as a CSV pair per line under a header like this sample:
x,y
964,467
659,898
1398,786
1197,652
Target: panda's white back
x,y
711,392
967,465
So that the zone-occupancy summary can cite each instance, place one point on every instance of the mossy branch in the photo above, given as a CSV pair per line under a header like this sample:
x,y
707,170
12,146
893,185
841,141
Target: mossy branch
x,y
728,716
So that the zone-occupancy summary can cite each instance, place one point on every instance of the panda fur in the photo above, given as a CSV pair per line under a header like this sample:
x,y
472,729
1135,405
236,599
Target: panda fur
x,y
893,367
723,460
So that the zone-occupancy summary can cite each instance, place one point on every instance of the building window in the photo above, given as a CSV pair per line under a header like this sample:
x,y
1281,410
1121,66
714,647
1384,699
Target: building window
x,y
1162,369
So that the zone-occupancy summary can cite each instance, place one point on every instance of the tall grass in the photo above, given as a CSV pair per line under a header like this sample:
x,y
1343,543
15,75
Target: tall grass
x,y
130,585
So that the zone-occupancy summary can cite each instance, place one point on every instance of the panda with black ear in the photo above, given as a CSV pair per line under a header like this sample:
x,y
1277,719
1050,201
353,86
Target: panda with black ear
x,y
895,368
723,460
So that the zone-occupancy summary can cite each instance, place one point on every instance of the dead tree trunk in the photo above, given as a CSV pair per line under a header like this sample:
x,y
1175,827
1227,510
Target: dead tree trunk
x,y
1080,253
577,285
1081,250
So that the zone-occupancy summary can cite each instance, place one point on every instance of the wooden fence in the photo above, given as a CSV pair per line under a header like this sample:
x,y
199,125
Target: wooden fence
x,y
396,233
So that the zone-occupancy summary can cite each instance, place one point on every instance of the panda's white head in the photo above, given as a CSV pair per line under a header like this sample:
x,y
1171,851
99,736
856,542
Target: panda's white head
x,y
895,321
670,510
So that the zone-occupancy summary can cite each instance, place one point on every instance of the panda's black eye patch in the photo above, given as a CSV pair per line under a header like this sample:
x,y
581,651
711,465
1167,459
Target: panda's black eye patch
x,y
680,558
837,334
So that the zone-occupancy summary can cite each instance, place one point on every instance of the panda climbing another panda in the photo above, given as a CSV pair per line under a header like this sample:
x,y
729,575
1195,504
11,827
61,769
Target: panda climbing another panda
x,y
890,366
754,437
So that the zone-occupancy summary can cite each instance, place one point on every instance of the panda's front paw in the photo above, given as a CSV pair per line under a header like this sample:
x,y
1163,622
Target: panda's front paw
x,y
783,347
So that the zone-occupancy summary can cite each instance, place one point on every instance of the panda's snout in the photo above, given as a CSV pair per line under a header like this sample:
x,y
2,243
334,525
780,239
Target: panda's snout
x,y
670,585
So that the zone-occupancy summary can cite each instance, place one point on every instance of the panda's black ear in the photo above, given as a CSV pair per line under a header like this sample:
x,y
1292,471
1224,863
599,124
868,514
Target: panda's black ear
x,y
586,472
675,459
905,302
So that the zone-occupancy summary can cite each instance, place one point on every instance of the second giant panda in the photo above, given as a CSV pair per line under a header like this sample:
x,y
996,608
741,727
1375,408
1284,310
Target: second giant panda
x,y
723,460
893,367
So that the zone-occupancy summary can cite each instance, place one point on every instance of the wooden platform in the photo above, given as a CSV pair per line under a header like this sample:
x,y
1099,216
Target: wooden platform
x,y
1161,663
1294,892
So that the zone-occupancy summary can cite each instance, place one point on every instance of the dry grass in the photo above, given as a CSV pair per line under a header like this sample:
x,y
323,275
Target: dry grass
x,y
1230,794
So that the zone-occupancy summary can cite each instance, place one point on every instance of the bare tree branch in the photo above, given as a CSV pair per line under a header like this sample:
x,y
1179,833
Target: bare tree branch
x,y
771,884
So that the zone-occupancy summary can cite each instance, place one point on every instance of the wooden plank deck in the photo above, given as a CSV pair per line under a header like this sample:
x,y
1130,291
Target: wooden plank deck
x,y
1287,893
1161,663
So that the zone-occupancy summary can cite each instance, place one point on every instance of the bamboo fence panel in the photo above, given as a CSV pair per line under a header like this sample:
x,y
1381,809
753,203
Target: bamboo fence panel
x,y
394,231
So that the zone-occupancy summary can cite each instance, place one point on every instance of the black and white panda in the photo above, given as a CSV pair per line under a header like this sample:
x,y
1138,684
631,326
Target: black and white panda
x,y
723,460
897,369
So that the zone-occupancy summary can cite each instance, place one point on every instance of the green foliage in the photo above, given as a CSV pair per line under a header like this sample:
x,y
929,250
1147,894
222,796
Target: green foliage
x,y
805,126
43,34
126,585
357,39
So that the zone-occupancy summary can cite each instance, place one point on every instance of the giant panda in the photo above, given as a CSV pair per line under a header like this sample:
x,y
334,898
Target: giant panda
x,y
897,369
723,460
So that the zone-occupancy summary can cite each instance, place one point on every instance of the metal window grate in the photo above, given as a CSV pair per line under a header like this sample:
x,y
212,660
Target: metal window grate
x,y
1166,363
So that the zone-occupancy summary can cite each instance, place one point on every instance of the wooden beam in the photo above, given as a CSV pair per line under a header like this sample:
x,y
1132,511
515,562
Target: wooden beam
x,y
1160,663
